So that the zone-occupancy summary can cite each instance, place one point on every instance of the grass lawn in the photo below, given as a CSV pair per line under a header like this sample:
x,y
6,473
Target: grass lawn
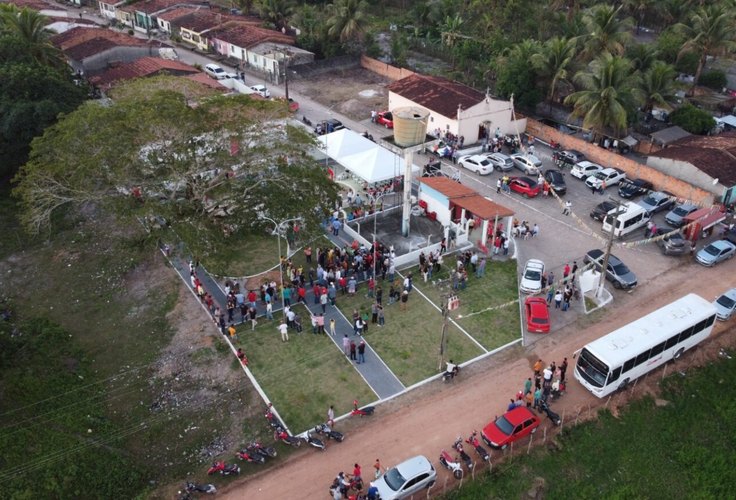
x,y
304,376
681,450
499,286
409,342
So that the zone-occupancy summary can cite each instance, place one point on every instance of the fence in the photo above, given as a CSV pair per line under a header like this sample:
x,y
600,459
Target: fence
x,y
315,68
384,69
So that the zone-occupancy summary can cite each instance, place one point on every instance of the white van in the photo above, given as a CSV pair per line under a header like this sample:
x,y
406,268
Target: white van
x,y
631,217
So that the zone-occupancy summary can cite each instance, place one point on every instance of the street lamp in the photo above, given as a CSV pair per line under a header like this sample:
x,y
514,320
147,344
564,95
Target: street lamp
x,y
375,216
278,238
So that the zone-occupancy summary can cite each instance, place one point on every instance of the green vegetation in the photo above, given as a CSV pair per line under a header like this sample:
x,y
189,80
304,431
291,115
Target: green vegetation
x,y
692,119
303,376
680,450
715,79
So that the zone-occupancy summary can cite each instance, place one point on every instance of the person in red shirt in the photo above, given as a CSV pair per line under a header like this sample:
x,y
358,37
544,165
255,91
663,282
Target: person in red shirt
x,y
301,294
356,473
252,297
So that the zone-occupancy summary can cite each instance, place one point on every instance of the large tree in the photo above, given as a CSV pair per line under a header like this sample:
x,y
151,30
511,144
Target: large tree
x,y
657,85
554,61
276,12
609,94
28,27
219,165
607,32
347,20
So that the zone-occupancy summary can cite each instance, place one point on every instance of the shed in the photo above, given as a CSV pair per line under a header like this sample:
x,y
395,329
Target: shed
x,y
669,135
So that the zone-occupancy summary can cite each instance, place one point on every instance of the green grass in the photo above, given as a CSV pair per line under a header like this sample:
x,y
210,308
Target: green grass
x,y
409,342
491,328
682,450
304,376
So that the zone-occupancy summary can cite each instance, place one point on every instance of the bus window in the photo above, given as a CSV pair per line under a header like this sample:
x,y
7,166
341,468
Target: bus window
x,y
592,369
642,358
700,326
629,364
672,342
657,350
614,375
686,334
710,321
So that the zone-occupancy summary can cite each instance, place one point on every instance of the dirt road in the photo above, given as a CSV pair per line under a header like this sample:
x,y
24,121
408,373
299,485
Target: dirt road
x,y
426,423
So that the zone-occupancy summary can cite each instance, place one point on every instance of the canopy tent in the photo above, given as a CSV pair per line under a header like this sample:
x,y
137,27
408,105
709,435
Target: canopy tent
x,y
362,156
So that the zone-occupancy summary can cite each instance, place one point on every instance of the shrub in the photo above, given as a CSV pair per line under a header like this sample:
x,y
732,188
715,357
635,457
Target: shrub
x,y
687,63
714,79
692,119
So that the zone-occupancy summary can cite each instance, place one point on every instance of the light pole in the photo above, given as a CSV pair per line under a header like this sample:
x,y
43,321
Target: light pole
x,y
278,238
375,216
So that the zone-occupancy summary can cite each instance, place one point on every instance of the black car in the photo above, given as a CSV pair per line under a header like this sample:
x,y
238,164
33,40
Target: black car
x,y
567,158
556,181
631,188
601,209
328,126
674,244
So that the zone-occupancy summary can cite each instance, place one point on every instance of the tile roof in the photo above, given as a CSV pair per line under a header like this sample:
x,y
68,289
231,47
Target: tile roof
x,y
151,6
448,187
207,81
80,35
204,20
172,14
714,155
483,207
31,4
246,36
437,94
145,66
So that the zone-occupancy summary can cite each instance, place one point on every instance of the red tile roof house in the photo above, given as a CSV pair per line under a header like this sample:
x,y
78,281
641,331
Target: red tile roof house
x,y
194,28
91,50
143,67
143,14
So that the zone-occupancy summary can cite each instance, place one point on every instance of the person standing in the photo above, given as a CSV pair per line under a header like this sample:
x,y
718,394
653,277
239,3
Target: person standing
x,y
498,186
528,386
253,314
284,329
332,327
404,299
568,208
374,313
538,367
320,323
481,270
359,326
346,345
377,467
558,299
563,369
353,357
331,416
381,317
323,300
361,352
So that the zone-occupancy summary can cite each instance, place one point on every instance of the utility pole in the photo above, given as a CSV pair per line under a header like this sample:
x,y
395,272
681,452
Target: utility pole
x,y
611,236
445,321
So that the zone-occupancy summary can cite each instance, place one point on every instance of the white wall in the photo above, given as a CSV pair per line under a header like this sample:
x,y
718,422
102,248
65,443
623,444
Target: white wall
x,y
490,110
436,202
686,172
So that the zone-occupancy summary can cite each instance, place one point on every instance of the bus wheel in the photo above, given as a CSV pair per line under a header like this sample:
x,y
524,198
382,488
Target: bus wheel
x,y
678,353
623,384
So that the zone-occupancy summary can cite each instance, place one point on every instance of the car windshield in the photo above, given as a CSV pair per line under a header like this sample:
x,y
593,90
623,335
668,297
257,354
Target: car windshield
x,y
682,212
592,369
388,116
484,162
540,321
712,250
620,269
504,425
532,274
394,479
726,301
600,175
649,200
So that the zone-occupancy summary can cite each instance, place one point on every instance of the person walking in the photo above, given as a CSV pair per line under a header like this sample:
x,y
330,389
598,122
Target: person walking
x,y
346,345
361,352
558,299
498,186
563,369
359,326
568,208
284,329
332,327
550,294
538,367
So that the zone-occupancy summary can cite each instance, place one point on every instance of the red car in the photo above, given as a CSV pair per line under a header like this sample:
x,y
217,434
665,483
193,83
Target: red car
x,y
509,427
385,118
537,315
524,186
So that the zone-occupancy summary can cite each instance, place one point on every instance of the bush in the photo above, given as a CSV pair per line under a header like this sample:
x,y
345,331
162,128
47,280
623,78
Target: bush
x,y
714,79
692,119
687,63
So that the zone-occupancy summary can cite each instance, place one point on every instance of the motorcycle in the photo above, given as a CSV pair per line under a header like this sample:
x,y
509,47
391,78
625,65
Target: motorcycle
x,y
264,451
273,420
554,417
458,446
224,469
306,120
201,488
451,464
365,411
325,430
316,442
250,457
451,372
475,443
558,389
284,437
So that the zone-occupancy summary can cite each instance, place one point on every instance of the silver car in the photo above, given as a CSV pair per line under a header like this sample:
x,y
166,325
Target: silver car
x,y
715,253
676,216
501,161
725,304
406,479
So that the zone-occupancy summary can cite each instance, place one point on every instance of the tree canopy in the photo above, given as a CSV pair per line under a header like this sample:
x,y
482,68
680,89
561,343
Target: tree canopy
x,y
218,164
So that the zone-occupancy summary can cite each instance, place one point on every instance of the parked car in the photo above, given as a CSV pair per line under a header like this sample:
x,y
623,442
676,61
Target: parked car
x,y
500,161
531,278
567,158
216,72
715,252
631,188
610,176
406,479
509,427
385,118
556,181
584,169
476,163
529,164
524,186
725,304
676,216
261,90
433,168
601,210
618,274
674,244
537,315
657,201
328,126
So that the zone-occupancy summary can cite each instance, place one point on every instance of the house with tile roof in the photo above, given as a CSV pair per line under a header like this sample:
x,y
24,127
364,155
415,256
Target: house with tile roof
x,y
108,8
144,14
707,162
455,108
194,28
165,19
140,68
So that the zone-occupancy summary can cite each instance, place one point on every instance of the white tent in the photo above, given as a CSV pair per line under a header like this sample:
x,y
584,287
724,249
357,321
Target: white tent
x,y
362,156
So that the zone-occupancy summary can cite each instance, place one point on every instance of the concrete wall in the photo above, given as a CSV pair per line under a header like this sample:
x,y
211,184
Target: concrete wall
x,y
661,180
436,202
384,69
494,113
687,172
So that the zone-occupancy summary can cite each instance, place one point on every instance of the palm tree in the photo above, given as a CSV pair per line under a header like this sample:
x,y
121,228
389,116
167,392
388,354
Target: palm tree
x,y
710,32
609,93
554,61
639,9
276,12
657,86
642,56
347,19
606,32
29,27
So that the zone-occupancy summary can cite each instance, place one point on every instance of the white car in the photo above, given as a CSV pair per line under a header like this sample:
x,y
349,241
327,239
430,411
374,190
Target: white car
x,y
261,90
529,164
216,72
476,163
531,278
406,479
610,176
725,304
584,169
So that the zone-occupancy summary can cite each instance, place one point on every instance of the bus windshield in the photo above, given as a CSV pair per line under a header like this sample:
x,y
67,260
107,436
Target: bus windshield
x,y
592,369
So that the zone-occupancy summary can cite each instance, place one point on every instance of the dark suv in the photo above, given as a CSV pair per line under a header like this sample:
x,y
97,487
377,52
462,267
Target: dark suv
x,y
634,187
567,158
328,126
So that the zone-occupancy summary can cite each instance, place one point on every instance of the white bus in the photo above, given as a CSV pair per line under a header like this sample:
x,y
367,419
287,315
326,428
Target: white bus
x,y
622,356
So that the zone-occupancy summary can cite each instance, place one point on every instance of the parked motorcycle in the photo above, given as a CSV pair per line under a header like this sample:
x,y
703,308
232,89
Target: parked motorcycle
x,y
250,457
475,443
264,451
201,488
458,445
224,469
284,437
365,411
554,417
451,464
316,442
325,430
273,420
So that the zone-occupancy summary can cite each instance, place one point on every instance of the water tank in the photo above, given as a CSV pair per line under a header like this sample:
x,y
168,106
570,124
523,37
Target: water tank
x,y
410,126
